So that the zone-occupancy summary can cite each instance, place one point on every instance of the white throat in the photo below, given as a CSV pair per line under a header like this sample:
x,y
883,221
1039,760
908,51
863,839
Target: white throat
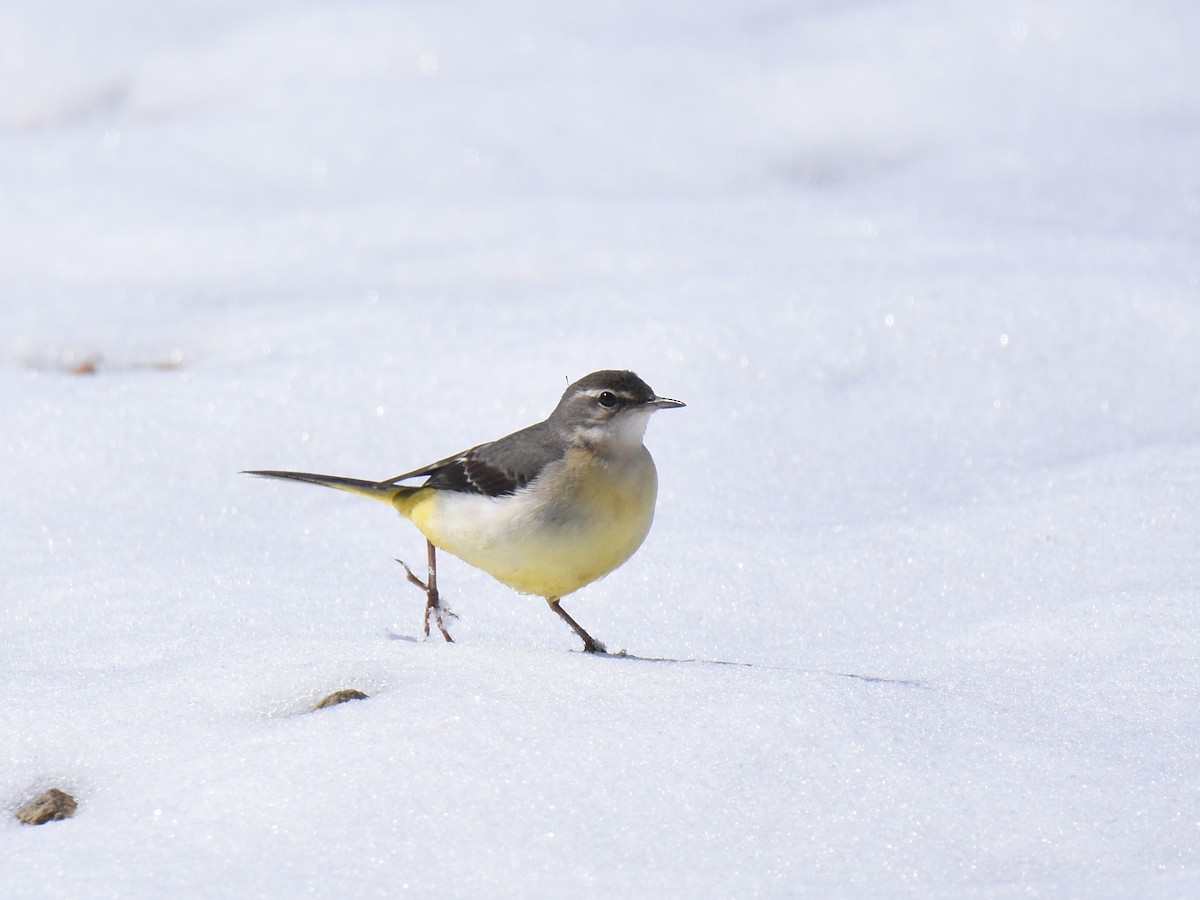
x,y
622,433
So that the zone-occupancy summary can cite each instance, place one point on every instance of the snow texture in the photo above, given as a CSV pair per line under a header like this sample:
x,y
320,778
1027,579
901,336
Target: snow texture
x,y
920,612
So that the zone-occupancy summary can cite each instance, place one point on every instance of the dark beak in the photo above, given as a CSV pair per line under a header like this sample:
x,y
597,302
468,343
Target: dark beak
x,y
666,403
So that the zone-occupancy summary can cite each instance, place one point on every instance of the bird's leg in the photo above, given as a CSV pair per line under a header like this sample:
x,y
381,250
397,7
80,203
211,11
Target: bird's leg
x,y
433,601
590,644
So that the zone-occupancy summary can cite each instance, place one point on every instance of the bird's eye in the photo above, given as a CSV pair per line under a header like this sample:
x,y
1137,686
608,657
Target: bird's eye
x,y
608,399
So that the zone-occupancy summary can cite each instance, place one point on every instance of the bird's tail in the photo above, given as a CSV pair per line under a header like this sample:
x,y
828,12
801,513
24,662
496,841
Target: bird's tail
x,y
386,493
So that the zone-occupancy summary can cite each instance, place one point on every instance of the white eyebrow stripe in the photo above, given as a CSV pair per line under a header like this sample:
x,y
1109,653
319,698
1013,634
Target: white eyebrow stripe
x,y
596,392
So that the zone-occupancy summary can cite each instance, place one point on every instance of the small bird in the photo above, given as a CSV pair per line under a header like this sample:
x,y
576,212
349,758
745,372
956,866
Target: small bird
x,y
545,510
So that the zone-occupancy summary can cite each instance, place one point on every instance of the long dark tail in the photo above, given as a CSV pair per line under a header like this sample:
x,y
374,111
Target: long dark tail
x,y
387,493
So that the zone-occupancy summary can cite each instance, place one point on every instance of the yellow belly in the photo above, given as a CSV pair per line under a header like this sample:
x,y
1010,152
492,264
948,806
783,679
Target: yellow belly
x,y
599,514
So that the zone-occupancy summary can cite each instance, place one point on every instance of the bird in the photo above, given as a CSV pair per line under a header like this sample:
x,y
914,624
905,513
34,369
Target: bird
x,y
545,510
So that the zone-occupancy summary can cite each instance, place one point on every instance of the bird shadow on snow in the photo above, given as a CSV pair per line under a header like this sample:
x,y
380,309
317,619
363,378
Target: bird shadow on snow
x,y
873,679
407,638
693,661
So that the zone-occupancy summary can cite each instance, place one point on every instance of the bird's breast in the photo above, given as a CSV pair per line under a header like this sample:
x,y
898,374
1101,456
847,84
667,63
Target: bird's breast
x,y
581,518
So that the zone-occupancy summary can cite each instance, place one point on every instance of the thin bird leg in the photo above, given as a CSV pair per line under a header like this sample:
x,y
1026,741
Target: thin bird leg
x,y
590,644
433,601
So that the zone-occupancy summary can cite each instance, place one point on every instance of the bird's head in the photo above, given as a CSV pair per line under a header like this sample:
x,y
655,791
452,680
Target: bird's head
x,y
608,408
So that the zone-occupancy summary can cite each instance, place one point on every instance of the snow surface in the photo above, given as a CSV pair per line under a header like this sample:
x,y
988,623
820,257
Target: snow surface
x,y
920,613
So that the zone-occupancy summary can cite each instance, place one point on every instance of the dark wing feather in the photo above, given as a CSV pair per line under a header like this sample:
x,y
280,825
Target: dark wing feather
x,y
494,469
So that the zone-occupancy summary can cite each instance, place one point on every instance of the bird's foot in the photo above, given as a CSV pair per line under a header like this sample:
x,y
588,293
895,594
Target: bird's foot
x,y
435,610
590,644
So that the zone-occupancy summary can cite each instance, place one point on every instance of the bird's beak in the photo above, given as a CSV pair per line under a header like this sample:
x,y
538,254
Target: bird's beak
x,y
666,403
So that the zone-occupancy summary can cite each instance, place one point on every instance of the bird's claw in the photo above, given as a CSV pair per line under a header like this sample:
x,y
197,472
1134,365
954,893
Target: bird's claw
x,y
434,609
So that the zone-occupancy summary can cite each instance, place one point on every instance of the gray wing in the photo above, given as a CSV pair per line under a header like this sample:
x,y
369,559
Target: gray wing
x,y
494,469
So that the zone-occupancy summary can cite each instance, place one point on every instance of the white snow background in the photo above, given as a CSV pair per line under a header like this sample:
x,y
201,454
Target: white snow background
x,y
920,612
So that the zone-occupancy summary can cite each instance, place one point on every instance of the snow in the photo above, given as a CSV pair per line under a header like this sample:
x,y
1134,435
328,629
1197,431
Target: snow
x,y
919,612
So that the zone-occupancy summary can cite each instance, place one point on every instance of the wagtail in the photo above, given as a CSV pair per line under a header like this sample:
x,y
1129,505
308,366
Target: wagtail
x,y
545,510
